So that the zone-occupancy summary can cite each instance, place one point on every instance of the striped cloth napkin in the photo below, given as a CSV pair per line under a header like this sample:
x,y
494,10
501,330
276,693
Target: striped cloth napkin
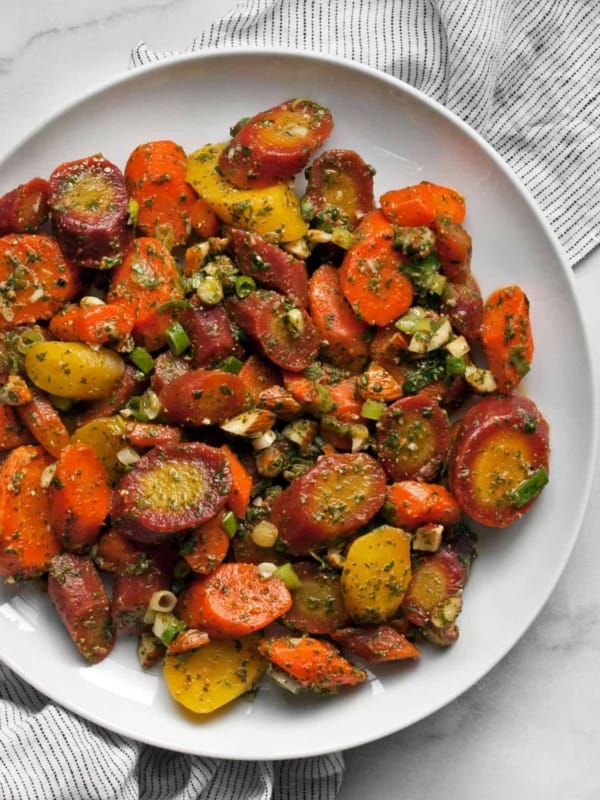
x,y
525,74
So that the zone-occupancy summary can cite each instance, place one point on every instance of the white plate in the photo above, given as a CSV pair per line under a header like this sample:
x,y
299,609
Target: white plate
x,y
408,138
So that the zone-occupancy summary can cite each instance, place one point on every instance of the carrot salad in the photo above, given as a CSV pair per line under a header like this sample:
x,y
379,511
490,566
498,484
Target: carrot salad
x,y
274,418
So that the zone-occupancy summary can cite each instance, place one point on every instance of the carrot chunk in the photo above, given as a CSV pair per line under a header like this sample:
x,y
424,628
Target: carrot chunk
x,y
80,495
507,336
410,504
27,542
275,145
315,663
148,283
422,204
239,497
344,337
44,423
233,601
155,179
371,276
206,547
376,643
40,278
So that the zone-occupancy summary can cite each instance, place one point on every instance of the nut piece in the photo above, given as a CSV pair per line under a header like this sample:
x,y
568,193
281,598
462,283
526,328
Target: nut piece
x,y
250,424
280,402
428,538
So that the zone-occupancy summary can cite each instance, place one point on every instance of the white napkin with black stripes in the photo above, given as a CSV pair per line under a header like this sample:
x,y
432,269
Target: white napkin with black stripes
x,y
525,74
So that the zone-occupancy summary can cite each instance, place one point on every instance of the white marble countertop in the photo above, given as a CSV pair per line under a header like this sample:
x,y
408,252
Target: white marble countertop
x,y
531,727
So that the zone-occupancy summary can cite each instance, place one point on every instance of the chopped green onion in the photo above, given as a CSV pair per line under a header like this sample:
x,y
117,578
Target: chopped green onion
x,y
133,208
325,402
307,209
177,338
244,284
27,338
455,365
142,359
288,575
529,488
417,320
342,237
230,523
210,290
230,364
166,626
372,409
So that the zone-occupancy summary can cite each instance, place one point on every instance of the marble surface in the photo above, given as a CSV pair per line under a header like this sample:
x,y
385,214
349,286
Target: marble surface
x,y
531,727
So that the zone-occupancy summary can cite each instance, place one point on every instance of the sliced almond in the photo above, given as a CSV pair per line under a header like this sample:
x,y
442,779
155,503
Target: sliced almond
x,y
251,423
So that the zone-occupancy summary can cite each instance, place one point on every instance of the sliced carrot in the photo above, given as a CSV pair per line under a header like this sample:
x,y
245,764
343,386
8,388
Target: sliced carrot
x,y
80,495
155,178
376,643
149,434
315,663
203,219
206,547
411,504
44,423
12,431
258,375
347,403
422,204
507,337
239,497
62,324
109,323
371,276
27,542
25,208
148,283
454,248
115,552
234,601
39,277
343,334
275,145
105,323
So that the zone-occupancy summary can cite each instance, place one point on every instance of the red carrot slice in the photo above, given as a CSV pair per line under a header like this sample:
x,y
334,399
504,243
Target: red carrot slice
x,y
344,337
171,489
275,145
376,643
25,208
88,204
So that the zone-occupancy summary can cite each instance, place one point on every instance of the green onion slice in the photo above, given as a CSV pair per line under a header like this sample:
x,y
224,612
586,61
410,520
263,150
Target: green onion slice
x,y
177,338
529,488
